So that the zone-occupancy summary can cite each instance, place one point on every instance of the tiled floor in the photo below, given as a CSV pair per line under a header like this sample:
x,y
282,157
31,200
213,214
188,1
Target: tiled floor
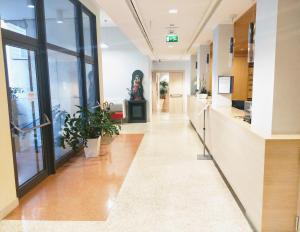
x,y
166,189
84,189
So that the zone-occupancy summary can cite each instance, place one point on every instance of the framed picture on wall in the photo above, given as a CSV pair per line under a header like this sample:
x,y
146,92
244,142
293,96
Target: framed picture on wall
x,y
225,84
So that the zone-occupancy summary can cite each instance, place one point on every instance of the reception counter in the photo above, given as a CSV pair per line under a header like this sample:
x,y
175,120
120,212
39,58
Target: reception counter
x,y
262,172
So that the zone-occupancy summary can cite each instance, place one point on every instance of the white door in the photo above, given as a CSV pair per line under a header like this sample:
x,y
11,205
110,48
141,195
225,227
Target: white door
x,y
176,92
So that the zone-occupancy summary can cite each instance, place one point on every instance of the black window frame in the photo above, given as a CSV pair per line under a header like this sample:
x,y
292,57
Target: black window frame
x,y
41,46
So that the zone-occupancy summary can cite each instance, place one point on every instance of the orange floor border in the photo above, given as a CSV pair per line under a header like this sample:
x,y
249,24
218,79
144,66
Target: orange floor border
x,y
83,189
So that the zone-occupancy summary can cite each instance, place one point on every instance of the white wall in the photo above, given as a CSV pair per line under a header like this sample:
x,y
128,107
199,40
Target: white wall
x,y
178,65
119,61
222,34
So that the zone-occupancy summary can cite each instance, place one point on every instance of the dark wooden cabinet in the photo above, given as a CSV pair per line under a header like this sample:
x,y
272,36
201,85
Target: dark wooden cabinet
x,y
137,111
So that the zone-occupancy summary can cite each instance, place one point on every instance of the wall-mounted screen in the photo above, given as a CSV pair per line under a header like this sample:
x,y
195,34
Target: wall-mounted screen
x,y
225,84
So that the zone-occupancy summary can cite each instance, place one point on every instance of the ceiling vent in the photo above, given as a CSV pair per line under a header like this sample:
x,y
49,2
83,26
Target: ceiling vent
x,y
133,9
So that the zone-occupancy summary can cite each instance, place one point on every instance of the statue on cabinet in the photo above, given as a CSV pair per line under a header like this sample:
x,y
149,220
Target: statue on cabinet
x,y
137,90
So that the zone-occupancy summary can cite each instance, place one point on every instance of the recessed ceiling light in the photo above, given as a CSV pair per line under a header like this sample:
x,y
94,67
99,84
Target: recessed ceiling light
x,y
104,46
173,11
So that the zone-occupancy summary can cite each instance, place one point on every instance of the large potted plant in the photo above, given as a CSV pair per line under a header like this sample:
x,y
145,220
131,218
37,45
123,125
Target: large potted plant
x,y
85,128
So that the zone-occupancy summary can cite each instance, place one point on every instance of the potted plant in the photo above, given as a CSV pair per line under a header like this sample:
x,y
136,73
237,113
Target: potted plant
x,y
203,93
163,89
85,128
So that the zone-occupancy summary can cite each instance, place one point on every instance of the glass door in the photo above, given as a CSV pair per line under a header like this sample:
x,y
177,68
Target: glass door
x,y
27,120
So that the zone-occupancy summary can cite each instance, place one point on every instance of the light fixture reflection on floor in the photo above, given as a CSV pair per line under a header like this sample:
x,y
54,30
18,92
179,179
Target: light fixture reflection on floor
x,y
59,16
30,4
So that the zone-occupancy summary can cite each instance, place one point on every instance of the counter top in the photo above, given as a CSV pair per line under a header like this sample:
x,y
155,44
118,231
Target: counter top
x,y
237,115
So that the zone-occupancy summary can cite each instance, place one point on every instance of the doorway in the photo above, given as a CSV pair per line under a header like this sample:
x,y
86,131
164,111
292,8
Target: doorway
x,y
29,121
167,92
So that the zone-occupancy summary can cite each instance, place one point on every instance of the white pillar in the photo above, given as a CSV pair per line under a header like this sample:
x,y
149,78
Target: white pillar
x,y
203,69
276,81
221,46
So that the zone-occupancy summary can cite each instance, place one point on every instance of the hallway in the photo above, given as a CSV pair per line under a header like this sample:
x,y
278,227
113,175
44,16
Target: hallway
x,y
166,188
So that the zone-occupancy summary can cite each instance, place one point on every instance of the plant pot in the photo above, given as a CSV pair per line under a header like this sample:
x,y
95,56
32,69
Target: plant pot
x,y
202,95
106,139
93,148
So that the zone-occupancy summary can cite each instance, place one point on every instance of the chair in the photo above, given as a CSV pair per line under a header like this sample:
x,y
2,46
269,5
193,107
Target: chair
x,y
117,112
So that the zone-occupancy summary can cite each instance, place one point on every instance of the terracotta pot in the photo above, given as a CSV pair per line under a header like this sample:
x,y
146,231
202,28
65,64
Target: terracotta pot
x,y
93,148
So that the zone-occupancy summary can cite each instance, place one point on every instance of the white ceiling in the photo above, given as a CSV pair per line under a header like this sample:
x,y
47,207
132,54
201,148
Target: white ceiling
x,y
155,18
105,20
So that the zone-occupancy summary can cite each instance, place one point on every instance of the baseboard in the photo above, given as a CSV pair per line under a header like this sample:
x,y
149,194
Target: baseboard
x,y
10,207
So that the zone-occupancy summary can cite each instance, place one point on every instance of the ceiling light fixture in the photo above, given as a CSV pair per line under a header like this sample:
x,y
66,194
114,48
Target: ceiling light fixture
x,y
59,16
30,4
173,11
104,46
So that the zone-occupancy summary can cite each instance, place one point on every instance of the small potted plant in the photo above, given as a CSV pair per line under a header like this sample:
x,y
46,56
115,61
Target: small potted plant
x,y
163,89
203,93
85,128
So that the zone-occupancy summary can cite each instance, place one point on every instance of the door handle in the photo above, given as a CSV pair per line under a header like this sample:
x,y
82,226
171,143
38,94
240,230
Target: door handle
x,y
24,131
176,95
98,105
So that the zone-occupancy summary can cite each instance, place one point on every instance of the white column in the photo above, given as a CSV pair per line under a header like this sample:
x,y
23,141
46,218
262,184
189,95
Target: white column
x,y
276,81
221,47
203,69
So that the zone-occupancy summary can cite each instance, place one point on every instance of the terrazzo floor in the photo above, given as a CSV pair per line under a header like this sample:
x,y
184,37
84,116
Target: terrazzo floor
x,y
166,189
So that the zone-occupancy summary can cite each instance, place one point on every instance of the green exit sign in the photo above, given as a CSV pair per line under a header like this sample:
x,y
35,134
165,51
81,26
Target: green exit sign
x,y
172,38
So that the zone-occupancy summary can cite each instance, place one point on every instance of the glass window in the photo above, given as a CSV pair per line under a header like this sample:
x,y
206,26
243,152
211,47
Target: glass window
x,y
18,16
25,113
87,34
65,92
90,85
60,23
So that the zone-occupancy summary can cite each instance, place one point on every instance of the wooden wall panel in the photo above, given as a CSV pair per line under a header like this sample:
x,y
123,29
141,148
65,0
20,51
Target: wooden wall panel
x,y
281,185
240,73
242,84
241,31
